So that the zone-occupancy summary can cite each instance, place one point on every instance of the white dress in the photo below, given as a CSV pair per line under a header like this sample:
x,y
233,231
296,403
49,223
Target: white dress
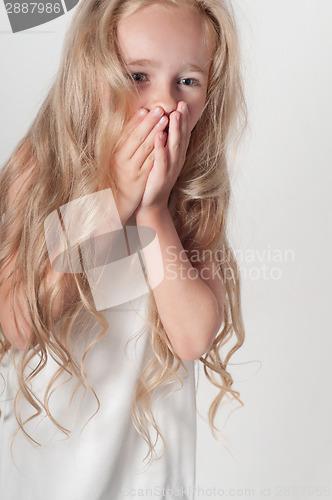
x,y
104,461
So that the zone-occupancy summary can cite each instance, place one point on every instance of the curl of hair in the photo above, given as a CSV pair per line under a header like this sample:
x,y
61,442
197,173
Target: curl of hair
x,y
66,154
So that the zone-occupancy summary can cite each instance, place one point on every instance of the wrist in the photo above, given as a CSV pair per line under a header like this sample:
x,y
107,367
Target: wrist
x,y
151,212
123,212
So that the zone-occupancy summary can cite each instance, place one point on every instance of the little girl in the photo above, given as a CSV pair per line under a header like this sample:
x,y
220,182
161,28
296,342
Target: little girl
x,y
129,146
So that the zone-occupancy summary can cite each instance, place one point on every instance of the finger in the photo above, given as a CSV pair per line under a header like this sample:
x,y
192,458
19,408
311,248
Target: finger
x,y
160,153
146,147
174,138
132,123
184,130
135,120
142,131
160,141
184,118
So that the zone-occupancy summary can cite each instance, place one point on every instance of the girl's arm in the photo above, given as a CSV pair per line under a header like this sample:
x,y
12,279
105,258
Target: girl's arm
x,y
189,301
22,330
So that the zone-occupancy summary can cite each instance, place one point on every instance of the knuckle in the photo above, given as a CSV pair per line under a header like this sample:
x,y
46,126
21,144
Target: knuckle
x,y
135,177
151,157
148,162
176,147
136,138
146,147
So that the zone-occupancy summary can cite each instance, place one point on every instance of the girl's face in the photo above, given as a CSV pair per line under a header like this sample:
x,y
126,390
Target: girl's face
x,y
163,49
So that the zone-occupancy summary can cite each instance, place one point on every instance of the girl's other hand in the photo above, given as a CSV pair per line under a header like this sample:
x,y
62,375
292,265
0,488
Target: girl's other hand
x,y
169,160
134,157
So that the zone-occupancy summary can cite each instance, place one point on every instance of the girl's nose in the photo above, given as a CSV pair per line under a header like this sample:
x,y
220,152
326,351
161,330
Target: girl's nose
x,y
164,97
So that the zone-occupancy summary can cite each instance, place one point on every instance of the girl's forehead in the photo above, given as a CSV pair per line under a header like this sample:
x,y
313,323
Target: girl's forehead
x,y
157,28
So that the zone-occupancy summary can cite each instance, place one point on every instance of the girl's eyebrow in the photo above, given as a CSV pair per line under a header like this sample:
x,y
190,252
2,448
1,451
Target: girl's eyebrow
x,y
156,64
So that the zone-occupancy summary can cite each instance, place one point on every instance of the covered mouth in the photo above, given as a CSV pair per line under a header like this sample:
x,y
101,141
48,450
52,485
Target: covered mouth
x,y
166,129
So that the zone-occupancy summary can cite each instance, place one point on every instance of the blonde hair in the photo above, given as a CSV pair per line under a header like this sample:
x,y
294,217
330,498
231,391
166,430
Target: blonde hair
x,y
68,148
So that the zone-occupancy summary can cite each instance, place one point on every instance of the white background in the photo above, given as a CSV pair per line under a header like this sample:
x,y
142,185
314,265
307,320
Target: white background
x,y
281,440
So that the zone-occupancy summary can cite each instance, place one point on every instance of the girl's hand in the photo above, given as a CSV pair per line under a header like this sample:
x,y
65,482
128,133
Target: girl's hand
x,y
168,160
132,161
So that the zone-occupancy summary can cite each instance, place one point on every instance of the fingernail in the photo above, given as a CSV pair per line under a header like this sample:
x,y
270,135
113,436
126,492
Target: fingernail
x,y
142,112
163,120
157,111
184,107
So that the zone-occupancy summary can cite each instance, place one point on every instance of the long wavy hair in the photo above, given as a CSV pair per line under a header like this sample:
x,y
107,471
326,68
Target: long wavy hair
x,y
66,154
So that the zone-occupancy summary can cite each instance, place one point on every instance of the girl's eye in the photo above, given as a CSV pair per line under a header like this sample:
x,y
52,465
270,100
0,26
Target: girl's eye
x,y
195,82
137,77
141,78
